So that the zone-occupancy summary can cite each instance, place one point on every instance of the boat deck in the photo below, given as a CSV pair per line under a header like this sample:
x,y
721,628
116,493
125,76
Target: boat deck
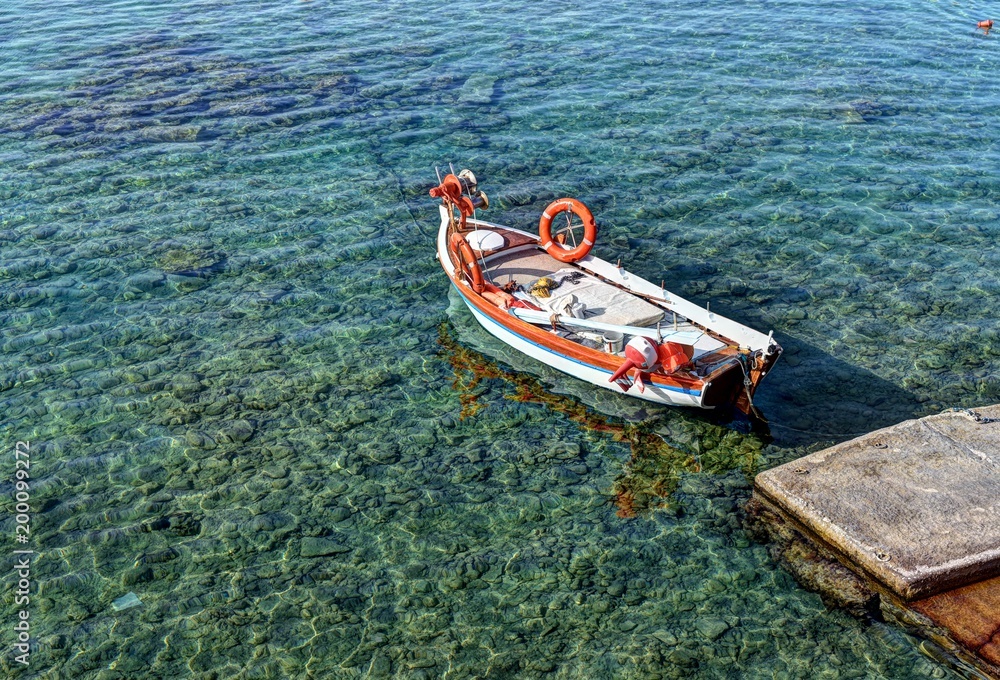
x,y
605,302
524,267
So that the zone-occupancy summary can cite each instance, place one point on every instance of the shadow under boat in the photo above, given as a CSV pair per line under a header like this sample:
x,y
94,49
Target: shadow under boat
x,y
814,397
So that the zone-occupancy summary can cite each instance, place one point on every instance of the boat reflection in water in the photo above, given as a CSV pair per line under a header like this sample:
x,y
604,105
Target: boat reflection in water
x,y
655,466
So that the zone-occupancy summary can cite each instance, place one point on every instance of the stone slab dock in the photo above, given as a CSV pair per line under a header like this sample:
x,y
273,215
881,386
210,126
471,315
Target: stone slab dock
x,y
905,522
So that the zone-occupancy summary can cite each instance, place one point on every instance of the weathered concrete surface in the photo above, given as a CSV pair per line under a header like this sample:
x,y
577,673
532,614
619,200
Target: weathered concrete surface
x,y
915,507
903,523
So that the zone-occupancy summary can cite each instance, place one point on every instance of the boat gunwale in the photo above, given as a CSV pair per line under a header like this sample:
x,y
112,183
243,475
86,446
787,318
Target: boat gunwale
x,y
661,302
695,387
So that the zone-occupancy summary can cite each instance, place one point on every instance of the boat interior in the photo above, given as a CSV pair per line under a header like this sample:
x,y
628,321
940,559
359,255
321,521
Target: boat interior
x,y
579,294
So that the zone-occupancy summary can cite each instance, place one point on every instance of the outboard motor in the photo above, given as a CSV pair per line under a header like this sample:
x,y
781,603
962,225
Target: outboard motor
x,y
645,355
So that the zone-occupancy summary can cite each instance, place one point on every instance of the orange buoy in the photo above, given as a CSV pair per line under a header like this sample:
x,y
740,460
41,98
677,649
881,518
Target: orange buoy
x,y
985,25
462,253
555,247
674,355
499,298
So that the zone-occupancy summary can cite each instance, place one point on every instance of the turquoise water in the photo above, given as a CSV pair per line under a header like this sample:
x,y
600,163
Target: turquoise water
x,y
227,339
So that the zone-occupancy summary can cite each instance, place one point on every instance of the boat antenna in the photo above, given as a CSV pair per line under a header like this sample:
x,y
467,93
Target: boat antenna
x,y
438,173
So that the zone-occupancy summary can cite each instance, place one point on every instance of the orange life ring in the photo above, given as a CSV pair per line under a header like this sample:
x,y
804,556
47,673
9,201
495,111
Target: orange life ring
x,y
554,248
462,253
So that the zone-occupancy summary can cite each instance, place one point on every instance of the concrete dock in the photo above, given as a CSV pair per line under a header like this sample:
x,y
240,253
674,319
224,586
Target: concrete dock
x,y
902,523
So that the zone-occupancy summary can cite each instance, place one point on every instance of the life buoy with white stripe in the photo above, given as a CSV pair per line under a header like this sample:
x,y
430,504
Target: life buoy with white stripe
x,y
557,250
462,253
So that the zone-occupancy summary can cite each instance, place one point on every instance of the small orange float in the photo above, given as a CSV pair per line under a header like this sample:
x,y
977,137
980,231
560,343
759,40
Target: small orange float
x,y
500,298
674,355
985,25
555,247
462,253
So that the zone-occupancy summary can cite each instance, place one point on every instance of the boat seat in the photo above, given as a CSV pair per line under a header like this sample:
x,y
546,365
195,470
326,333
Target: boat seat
x,y
523,267
605,303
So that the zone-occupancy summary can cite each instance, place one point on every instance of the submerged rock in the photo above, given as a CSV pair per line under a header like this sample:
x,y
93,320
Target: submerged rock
x,y
713,629
313,546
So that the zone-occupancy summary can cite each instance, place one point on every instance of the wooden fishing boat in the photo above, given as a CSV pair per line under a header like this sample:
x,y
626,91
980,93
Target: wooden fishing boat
x,y
549,297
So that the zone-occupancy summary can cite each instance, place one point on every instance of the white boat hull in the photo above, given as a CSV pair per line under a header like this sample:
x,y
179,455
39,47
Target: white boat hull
x,y
582,371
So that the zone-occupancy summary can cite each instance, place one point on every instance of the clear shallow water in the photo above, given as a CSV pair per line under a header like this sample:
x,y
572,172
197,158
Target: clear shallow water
x,y
222,323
